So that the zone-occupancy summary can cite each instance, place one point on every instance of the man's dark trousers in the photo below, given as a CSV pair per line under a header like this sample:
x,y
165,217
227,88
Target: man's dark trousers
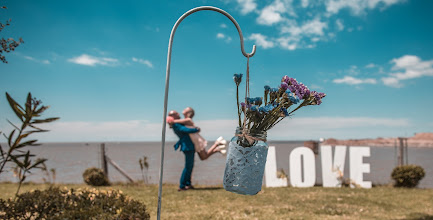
x,y
185,179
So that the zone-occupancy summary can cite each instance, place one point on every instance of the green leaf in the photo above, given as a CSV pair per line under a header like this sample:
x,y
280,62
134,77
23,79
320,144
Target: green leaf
x,y
15,107
29,105
10,138
31,132
1,151
17,162
39,161
40,110
40,121
27,143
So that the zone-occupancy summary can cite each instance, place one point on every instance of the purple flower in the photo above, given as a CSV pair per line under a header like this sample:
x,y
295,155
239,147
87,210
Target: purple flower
x,y
284,86
285,79
298,94
292,88
317,97
292,81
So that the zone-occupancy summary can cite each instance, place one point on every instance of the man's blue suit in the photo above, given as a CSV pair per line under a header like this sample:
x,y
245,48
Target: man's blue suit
x,y
187,147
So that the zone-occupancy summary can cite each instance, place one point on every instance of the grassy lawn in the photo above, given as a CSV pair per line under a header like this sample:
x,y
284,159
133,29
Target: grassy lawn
x,y
274,203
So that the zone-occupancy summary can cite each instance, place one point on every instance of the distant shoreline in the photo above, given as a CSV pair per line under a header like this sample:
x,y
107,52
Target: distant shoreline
x,y
420,140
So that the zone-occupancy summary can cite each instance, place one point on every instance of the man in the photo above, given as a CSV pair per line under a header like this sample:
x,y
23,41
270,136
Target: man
x,y
187,147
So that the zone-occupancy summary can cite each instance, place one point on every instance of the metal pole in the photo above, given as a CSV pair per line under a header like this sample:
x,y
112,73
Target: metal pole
x,y
167,78
406,153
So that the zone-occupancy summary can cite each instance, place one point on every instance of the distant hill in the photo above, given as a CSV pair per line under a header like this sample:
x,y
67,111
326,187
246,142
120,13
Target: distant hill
x,y
419,140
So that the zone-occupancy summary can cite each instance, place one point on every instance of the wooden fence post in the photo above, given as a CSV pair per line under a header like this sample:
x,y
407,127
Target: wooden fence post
x,y
104,160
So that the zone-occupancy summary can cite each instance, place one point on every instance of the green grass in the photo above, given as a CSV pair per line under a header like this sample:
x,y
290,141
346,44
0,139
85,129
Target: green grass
x,y
273,203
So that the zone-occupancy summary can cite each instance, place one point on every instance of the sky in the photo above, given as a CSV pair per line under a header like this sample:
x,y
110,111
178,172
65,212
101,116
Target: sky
x,y
100,65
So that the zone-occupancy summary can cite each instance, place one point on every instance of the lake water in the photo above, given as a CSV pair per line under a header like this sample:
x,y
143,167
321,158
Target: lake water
x,y
71,159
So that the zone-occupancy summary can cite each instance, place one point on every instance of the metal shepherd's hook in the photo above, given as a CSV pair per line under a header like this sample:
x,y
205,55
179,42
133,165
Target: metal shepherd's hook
x,y
167,79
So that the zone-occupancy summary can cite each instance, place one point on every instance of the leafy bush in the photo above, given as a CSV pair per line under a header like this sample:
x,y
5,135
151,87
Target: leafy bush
x,y
55,203
407,175
95,177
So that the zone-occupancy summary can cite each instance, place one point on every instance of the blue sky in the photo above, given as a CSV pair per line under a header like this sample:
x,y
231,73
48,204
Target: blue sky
x,y
100,65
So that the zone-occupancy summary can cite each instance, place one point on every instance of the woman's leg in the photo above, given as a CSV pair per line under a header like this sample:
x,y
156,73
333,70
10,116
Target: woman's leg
x,y
203,154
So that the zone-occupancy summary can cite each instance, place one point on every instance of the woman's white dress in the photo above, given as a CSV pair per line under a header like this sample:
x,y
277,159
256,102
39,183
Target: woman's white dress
x,y
199,142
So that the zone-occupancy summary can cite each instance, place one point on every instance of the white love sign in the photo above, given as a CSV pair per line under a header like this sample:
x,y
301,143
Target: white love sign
x,y
302,165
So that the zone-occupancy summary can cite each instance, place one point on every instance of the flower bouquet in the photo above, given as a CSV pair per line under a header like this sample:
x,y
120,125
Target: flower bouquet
x,y
248,149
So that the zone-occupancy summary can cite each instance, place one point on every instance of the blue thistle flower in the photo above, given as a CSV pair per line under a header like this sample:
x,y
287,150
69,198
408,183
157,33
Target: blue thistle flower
x,y
237,78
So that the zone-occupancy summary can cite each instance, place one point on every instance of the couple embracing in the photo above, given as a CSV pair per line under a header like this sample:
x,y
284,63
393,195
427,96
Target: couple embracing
x,y
190,141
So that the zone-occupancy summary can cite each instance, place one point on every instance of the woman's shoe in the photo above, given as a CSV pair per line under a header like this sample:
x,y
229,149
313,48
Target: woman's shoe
x,y
221,141
222,149
223,152
182,189
189,187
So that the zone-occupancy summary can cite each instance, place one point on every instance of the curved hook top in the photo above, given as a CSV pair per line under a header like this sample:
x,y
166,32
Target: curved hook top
x,y
211,8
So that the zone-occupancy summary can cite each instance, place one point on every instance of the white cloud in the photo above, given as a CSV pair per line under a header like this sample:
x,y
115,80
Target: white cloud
x,y
354,81
314,22
353,70
142,61
289,43
260,40
339,24
247,6
408,67
392,82
223,25
224,37
141,130
293,35
272,13
304,3
36,60
357,7
221,36
370,65
312,27
88,60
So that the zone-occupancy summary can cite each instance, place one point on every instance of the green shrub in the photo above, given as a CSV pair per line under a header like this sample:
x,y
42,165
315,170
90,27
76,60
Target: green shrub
x,y
55,203
95,177
407,175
